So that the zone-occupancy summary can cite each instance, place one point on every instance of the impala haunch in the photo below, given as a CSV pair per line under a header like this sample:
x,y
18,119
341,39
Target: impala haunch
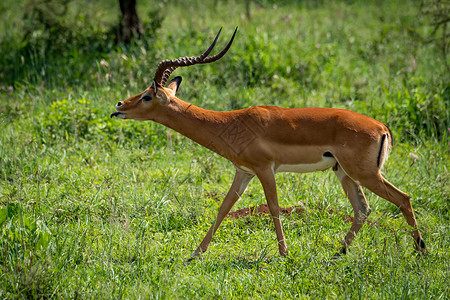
x,y
263,140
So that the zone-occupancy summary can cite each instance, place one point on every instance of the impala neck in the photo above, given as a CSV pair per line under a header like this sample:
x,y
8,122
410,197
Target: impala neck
x,y
200,125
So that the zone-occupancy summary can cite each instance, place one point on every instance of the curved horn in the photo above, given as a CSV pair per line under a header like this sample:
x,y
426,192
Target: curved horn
x,y
166,67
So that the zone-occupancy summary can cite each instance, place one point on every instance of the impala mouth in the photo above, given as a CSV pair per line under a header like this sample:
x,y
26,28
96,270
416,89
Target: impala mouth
x,y
118,114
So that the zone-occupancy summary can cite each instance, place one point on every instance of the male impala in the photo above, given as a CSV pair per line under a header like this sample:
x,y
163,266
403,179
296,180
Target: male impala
x,y
261,141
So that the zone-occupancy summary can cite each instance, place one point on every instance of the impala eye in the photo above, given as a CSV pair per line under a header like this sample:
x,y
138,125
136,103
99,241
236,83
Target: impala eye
x,y
146,98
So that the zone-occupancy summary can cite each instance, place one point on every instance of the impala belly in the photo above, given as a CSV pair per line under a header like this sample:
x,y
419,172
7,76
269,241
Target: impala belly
x,y
246,170
325,163
302,159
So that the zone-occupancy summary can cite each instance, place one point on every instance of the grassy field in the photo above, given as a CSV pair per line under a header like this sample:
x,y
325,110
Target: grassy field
x,y
94,207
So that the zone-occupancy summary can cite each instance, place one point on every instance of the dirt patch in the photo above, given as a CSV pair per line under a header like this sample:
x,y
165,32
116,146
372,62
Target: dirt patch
x,y
263,209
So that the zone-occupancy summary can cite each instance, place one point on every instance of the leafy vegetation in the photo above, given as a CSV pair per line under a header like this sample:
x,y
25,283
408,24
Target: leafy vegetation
x,y
97,207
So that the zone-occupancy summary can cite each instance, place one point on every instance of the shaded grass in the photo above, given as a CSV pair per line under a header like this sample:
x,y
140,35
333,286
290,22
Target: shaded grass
x,y
96,207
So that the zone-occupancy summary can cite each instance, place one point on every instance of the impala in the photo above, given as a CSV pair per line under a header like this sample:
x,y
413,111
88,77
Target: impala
x,y
263,140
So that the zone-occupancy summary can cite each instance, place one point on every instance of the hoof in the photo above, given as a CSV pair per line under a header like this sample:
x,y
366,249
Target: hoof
x,y
339,254
187,261
194,256
420,244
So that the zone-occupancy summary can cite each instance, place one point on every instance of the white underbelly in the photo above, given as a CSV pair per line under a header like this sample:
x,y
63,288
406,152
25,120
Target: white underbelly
x,y
325,163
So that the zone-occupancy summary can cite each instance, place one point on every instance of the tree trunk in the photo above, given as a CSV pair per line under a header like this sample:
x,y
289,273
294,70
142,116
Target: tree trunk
x,y
130,26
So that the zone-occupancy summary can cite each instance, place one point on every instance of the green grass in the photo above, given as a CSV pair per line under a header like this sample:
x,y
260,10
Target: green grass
x,y
96,207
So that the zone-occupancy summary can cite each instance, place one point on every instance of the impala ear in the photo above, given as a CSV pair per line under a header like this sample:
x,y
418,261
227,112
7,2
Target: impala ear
x,y
162,95
174,84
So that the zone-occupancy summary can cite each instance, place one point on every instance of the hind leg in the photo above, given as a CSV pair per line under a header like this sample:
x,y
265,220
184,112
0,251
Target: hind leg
x,y
386,190
361,209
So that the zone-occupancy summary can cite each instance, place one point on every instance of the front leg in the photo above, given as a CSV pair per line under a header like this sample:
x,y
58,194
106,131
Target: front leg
x,y
267,178
238,187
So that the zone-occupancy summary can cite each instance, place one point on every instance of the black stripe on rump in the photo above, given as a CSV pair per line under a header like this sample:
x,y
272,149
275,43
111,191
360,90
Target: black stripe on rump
x,y
381,149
